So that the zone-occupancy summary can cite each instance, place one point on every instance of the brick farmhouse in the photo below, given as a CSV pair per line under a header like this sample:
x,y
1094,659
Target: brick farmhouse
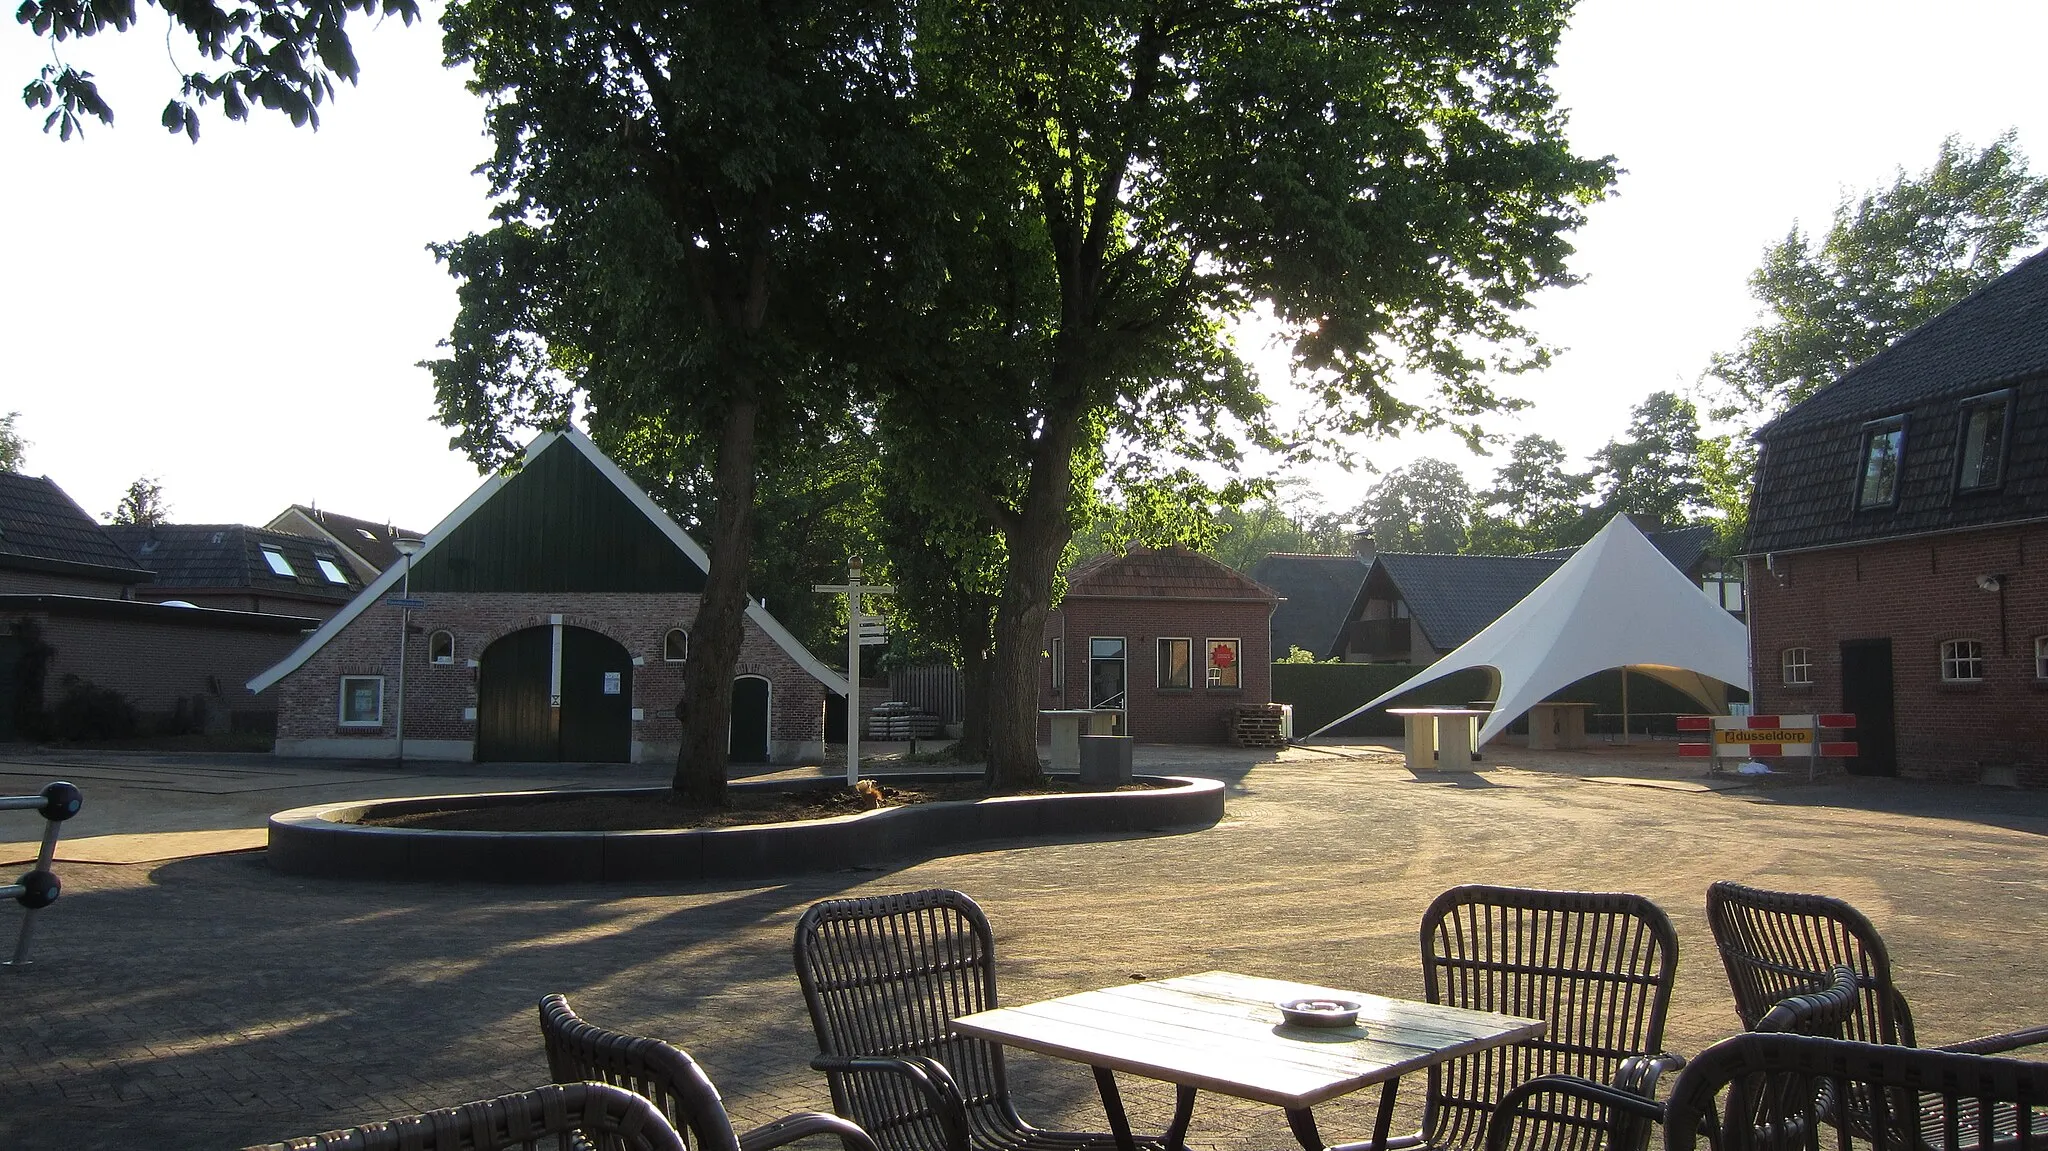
x,y
1898,548
551,624
1171,640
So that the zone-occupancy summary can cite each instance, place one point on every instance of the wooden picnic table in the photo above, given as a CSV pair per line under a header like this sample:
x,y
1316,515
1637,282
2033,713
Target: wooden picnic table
x,y
1220,1031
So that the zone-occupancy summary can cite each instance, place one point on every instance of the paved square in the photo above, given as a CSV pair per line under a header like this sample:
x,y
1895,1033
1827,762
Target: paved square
x,y
206,1002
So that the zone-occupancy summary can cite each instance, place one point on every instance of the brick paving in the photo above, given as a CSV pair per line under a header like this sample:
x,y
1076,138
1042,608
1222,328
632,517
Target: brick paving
x,y
206,1002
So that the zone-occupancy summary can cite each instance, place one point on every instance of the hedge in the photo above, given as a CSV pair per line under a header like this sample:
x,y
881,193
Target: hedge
x,y
1320,692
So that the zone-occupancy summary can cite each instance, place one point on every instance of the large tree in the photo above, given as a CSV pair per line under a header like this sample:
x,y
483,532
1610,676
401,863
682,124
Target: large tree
x,y
1424,507
1123,174
1536,502
694,218
1891,260
1653,471
283,55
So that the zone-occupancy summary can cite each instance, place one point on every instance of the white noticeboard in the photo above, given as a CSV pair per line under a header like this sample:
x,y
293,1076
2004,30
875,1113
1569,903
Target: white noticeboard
x,y
611,683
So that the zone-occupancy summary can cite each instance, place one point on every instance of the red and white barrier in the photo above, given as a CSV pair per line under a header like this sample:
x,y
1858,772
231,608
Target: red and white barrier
x,y
1767,736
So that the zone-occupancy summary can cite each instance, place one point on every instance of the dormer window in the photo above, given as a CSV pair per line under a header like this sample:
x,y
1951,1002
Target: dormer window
x,y
1884,444
278,563
1980,461
331,570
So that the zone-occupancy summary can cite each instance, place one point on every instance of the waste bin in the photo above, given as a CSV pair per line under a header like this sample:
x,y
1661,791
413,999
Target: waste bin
x,y
1105,760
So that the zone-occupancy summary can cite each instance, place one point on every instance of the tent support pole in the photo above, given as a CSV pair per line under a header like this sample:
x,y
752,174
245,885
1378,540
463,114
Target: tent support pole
x,y
1624,703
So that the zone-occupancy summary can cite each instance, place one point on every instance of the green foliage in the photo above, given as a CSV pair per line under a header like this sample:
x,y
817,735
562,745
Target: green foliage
x,y
1298,654
284,55
1536,503
1424,507
13,448
1255,530
1320,692
1727,473
143,503
1891,260
89,711
1654,471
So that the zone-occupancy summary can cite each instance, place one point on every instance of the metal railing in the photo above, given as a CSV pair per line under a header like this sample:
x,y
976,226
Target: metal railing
x,y
38,888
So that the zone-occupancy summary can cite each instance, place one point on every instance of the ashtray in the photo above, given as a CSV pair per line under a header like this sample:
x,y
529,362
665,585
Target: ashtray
x,y
1320,1012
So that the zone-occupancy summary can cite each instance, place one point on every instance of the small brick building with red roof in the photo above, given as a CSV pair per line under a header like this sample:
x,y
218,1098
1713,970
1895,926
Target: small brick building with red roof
x,y
1171,639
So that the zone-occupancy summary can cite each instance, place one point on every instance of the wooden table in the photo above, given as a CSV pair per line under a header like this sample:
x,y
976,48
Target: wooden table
x,y
1440,738
1558,725
1221,1032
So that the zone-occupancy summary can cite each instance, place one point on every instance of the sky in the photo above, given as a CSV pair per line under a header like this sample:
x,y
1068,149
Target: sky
x,y
241,320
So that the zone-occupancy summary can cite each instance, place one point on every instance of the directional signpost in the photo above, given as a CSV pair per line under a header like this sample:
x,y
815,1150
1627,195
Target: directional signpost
x,y
862,630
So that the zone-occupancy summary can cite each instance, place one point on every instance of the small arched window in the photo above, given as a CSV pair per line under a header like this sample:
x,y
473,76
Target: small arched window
x,y
441,647
1962,661
675,646
2041,657
1798,665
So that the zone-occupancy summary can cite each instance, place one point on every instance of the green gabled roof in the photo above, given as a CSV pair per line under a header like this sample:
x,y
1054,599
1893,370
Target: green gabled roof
x,y
501,548
558,525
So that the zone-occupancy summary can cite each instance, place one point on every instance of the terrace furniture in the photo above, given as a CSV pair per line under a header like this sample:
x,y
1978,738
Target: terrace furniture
x,y
668,1078
1557,726
1227,1033
559,1116
1598,967
882,977
1569,1112
1755,1092
1773,942
1440,738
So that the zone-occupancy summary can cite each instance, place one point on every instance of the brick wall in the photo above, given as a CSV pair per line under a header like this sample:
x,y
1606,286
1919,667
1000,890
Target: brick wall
x,y
1164,715
438,694
156,664
1919,593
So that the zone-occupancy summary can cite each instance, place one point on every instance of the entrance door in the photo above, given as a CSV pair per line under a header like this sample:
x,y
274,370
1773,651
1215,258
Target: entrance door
x,y
1867,694
749,720
517,722
597,698
514,723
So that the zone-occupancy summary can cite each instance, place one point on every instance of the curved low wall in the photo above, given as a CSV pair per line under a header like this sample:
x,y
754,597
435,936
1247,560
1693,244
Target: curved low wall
x,y
325,840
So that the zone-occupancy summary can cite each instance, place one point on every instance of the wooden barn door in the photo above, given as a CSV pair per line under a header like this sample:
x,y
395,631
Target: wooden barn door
x,y
516,720
749,720
597,698
514,723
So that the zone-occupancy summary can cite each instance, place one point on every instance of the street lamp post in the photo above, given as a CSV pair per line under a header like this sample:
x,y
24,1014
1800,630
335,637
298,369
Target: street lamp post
x,y
407,547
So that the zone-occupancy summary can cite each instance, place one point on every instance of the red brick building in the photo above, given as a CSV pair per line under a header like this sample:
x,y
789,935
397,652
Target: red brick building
x,y
1898,550
550,623
1170,639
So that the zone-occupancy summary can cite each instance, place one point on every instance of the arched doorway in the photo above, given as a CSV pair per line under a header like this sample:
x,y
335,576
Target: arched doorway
x,y
749,741
519,717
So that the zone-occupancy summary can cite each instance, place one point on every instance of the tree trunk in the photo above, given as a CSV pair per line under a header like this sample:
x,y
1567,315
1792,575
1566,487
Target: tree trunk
x,y
973,642
1036,537
720,627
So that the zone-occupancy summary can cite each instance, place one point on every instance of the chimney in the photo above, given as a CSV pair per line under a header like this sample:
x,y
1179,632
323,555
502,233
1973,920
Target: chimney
x,y
1362,546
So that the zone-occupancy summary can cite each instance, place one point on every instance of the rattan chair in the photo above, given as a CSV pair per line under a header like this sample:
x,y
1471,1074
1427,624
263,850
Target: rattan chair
x,y
1772,942
1597,967
667,1077
559,1116
1568,1113
1753,1093
882,977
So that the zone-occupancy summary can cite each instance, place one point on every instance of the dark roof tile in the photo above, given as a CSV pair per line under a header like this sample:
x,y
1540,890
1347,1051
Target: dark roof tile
x,y
38,521
1317,593
223,556
1167,572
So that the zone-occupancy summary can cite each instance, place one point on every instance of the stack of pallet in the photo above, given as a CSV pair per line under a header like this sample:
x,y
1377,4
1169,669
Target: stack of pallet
x,y
897,720
1256,725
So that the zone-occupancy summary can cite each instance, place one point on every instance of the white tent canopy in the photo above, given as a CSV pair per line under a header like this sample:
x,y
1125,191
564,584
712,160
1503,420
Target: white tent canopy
x,y
1616,603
